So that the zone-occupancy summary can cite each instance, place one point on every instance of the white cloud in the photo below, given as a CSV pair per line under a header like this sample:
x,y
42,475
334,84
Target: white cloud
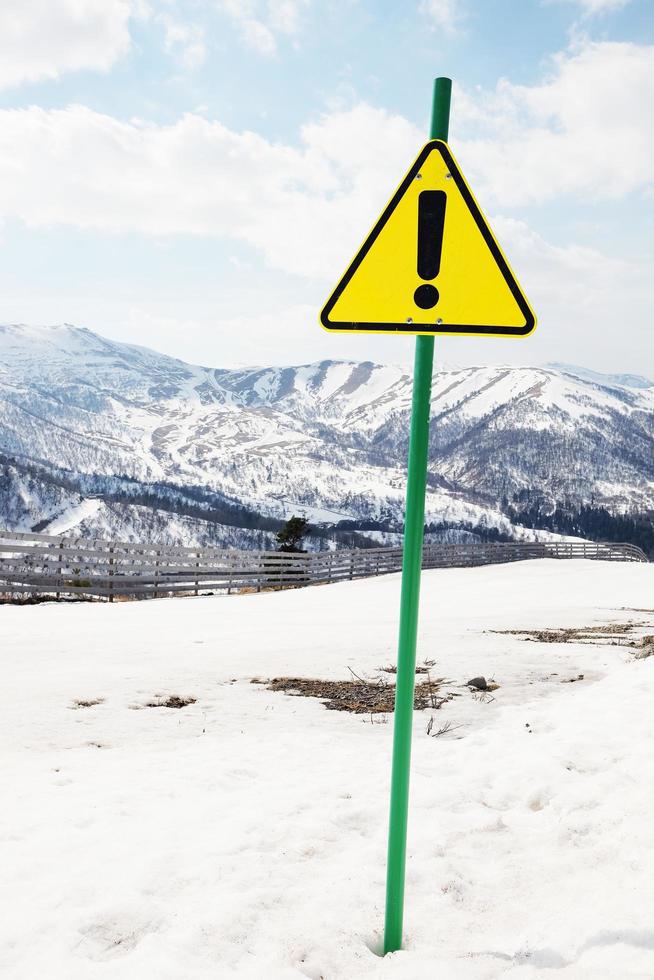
x,y
573,277
260,23
42,39
578,134
444,14
78,167
285,15
591,7
587,131
304,207
592,308
256,35
184,40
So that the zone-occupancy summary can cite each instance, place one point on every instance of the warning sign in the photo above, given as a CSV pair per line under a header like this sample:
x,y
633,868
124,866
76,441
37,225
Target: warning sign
x,y
431,264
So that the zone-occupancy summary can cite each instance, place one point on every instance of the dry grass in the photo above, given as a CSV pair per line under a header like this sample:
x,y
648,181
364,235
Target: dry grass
x,y
609,633
359,696
420,669
445,729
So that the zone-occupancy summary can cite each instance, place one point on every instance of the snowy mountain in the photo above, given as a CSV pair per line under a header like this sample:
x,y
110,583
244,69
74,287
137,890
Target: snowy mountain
x,y
99,437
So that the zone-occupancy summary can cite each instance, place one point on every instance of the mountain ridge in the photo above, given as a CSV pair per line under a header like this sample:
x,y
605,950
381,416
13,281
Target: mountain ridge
x,y
328,439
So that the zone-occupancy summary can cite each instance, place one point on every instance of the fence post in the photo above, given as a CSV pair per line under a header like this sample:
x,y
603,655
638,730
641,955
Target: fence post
x,y
59,575
111,572
197,566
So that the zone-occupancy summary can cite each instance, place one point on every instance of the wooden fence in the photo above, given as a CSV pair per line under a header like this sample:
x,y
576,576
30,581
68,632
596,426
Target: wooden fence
x,y
41,564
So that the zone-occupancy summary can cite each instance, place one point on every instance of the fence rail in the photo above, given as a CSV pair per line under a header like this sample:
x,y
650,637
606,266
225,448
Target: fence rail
x,y
42,565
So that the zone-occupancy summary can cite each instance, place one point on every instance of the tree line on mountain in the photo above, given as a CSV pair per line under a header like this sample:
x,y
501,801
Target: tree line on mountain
x,y
436,529
527,508
196,503
588,521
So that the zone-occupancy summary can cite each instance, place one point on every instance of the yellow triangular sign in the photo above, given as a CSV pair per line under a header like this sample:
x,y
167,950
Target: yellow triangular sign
x,y
431,264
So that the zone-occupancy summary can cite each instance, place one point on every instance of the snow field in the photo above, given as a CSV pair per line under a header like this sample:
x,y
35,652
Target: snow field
x,y
244,835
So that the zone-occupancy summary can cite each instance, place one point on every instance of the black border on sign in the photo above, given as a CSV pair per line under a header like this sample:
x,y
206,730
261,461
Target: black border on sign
x,y
427,328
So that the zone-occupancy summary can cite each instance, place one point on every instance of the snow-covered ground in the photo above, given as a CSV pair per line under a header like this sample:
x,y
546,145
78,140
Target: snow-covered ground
x,y
244,835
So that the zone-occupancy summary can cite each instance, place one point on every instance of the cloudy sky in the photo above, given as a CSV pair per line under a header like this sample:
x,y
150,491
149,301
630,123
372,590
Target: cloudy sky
x,y
194,175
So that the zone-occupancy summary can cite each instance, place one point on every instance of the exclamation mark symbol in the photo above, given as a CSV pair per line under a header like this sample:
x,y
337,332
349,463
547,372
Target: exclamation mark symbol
x,y
431,221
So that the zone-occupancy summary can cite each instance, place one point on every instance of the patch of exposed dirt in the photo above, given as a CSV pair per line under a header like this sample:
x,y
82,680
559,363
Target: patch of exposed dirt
x,y
172,701
35,600
608,634
644,647
359,696
90,703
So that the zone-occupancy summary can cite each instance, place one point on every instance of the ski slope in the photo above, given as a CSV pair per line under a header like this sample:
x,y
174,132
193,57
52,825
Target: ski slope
x,y
244,835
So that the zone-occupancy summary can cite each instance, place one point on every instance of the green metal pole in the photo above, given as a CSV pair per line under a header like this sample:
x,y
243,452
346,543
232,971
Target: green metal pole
x,y
410,597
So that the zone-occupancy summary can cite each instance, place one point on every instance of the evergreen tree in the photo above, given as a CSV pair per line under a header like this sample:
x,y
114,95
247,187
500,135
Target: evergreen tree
x,y
290,536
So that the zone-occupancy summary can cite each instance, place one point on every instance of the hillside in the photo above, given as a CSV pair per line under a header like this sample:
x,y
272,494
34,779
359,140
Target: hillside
x,y
99,437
